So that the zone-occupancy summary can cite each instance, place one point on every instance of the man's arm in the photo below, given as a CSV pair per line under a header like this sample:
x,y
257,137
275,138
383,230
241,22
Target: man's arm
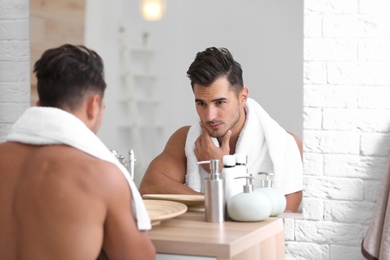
x,y
299,143
166,173
122,239
293,201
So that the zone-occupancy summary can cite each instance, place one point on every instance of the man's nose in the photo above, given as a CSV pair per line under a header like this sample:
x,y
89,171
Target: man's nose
x,y
211,113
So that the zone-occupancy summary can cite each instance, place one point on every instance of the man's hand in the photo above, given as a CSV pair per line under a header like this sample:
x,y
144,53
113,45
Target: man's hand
x,y
206,150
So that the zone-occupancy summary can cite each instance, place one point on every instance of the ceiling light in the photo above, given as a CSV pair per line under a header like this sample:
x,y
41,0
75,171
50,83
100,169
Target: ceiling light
x,y
152,10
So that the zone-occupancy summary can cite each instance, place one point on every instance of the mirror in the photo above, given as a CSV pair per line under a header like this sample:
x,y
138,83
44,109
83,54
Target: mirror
x,y
266,37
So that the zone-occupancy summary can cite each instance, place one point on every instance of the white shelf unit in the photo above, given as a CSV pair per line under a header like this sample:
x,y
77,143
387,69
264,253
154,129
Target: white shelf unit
x,y
140,102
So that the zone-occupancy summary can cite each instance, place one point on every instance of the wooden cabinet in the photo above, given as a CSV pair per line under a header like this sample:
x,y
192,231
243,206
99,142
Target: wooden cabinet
x,y
188,235
53,23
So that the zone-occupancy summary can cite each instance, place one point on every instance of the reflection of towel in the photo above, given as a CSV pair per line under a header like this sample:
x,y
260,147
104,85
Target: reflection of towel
x,y
46,126
376,243
268,146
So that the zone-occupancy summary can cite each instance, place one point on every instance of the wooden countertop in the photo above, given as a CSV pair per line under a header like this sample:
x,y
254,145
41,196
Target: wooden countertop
x,y
189,234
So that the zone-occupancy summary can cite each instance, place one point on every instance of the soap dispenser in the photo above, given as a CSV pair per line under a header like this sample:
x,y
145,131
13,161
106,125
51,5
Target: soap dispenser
x,y
214,194
278,200
249,205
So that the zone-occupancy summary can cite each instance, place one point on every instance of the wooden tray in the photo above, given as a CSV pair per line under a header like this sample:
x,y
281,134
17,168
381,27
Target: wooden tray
x,y
189,200
160,210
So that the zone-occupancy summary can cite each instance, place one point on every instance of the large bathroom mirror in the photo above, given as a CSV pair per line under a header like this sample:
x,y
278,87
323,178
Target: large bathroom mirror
x,y
266,37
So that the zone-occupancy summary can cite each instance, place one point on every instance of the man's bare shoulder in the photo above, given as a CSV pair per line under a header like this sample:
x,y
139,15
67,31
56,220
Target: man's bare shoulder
x,y
58,191
181,133
166,172
178,139
173,153
77,168
88,182
68,156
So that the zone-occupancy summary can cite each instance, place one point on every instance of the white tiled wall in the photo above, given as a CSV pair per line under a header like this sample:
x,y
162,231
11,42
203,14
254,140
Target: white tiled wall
x,y
14,62
346,116
346,125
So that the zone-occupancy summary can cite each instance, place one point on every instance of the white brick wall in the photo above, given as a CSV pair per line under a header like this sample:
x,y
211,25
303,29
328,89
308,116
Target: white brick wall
x,y
14,62
346,116
346,125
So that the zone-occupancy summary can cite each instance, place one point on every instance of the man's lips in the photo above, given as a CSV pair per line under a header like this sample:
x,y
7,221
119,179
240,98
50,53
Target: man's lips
x,y
214,126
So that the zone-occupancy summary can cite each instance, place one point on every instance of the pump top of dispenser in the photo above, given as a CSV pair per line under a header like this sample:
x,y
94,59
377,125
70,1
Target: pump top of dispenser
x,y
248,187
267,182
214,168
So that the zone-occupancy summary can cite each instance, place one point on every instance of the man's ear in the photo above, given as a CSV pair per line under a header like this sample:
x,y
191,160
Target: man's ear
x,y
244,95
93,106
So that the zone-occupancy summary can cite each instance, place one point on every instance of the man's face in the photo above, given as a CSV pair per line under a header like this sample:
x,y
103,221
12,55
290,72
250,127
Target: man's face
x,y
218,107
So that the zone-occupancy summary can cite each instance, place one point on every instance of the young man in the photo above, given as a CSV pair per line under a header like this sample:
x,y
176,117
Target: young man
x,y
230,122
63,195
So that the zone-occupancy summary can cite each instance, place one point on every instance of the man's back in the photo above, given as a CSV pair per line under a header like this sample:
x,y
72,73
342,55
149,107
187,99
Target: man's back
x,y
52,202
57,202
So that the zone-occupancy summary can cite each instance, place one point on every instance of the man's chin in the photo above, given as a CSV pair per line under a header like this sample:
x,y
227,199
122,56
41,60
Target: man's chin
x,y
217,134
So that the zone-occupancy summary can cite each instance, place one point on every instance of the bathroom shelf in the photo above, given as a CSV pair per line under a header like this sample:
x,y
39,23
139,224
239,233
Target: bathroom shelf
x,y
141,121
127,73
133,126
140,100
141,49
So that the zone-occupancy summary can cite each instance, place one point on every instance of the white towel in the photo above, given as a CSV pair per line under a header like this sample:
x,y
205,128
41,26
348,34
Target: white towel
x,y
268,146
48,126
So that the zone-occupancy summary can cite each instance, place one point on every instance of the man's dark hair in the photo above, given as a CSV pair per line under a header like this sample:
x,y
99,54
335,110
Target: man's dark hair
x,y
66,74
213,63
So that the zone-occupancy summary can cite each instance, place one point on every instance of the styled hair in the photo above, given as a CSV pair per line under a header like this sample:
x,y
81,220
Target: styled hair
x,y
212,64
67,74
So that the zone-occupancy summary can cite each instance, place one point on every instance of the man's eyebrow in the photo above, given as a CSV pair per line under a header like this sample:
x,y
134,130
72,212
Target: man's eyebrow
x,y
219,99
214,100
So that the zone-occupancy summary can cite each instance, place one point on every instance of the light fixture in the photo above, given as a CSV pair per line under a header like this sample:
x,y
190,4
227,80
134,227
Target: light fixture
x,y
152,10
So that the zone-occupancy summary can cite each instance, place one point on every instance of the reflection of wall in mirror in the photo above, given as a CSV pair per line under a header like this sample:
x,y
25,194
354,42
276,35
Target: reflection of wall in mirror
x,y
53,23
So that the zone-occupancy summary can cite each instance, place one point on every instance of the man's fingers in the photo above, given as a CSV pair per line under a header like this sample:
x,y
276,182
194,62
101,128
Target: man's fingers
x,y
226,139
205,136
